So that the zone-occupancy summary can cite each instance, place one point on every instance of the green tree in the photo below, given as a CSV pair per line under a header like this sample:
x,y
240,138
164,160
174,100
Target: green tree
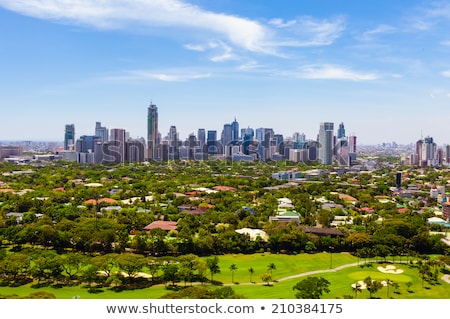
x,y
233,268
72,263
105,263
311,288
372,285
267,278
170,273
251,272
15,264
271,267
356,289
131,264
213,266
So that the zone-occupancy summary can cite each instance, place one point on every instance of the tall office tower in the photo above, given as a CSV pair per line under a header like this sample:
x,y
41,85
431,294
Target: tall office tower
x,y
247,134
101,132
211,136
398,180
264,136
201,137
326,143
86,143
227,135
69,137
341,131
419,144
428,151
211,142
117,145
352,144
152,131
440,156
173,143
173,136
235,130
134,151
447,154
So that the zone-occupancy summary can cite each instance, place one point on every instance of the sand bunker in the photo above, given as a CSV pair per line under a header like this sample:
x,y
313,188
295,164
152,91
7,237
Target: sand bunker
x,y
390,269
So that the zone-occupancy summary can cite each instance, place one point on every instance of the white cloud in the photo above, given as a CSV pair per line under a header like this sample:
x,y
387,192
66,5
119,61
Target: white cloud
x,y
308,31
446,73
330,72
165,76
239,32
280,23
123,14
381,29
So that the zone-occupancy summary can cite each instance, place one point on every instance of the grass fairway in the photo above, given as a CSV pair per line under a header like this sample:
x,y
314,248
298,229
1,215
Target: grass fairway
x,y
296,266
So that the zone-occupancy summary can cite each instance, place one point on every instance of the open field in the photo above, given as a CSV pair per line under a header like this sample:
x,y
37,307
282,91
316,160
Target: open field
x,y
346,270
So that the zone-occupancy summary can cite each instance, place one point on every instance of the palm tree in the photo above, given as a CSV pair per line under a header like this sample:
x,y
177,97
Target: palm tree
x,y
356,289
271,267
251,271
388,283
233,268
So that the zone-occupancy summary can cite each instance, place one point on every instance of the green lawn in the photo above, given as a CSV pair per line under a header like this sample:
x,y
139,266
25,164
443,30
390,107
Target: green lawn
x,y
286,265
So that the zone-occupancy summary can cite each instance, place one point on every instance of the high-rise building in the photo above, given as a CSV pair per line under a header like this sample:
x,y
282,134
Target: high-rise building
x,y
428,151
134,151
85,144
447,154
213,147
352,143
152,131
201,137
341,131
326,143
69,137
227,135
117,144
173,143
418,160
101,132
235,130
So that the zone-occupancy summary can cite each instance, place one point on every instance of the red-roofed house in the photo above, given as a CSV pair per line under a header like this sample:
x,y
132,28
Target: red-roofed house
x,y
162,224
101,200
224,188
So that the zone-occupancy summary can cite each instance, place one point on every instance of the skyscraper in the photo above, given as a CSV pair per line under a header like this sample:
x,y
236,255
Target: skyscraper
x,y
201,136
173,143
152,131
101,132
326,143
341,131
235,130
117,142
227,135
69,137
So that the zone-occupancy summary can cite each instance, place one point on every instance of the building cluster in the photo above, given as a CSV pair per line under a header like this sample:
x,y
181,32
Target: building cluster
x,y
245,144
427,153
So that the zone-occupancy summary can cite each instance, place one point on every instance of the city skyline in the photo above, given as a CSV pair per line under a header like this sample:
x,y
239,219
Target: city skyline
x,y
381,68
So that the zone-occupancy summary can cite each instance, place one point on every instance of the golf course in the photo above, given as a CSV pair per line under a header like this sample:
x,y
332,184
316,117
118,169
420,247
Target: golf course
x,y
400,278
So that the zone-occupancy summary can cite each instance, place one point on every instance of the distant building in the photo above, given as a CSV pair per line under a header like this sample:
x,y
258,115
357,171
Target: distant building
x,y
326,143
117,144
69,137
101,132
152,131
10,151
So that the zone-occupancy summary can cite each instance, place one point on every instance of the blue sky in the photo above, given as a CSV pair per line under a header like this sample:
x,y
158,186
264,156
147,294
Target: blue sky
x,y
380,67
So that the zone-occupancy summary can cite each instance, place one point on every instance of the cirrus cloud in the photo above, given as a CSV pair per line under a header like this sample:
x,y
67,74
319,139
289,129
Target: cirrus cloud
x,y
332,72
